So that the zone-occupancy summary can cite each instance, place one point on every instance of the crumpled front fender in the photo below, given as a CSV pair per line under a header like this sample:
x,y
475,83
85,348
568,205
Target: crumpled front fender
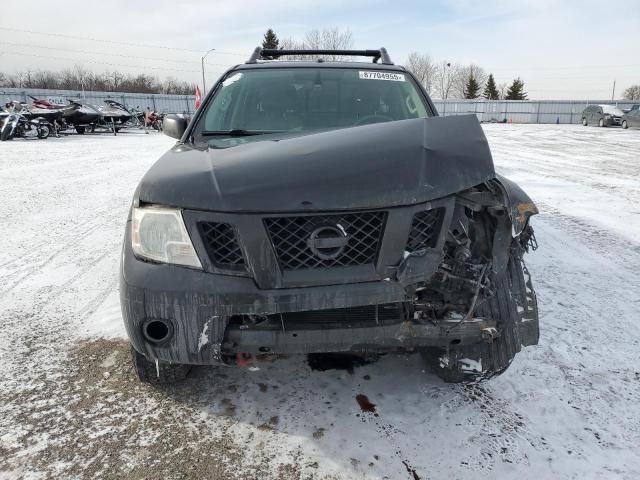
x,y
519,204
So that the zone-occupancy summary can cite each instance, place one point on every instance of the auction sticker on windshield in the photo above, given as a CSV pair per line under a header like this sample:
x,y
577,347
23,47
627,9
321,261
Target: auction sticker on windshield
x,y
395,77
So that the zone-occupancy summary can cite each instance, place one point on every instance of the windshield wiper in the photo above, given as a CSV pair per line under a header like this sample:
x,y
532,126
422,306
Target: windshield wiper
x,y
239,132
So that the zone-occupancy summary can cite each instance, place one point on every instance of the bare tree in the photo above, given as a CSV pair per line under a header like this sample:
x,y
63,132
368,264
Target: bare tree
x,y
27,79
172,86
327,39
141,83
67,79
14,81
632,93
312,40
116,78
45,79
502,89
169,85
335,39
423,68
20,79
447,74
78,78
466,72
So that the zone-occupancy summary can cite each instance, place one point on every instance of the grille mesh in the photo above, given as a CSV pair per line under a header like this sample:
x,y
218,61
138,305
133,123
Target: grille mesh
x,y
425,229
289,236
222,244
369,315
340,317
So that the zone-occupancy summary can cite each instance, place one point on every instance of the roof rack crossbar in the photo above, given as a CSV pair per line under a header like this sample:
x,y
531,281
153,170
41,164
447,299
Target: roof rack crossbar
x,y
271,53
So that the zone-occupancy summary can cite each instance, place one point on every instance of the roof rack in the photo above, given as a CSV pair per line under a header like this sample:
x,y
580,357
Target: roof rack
x,y
271,53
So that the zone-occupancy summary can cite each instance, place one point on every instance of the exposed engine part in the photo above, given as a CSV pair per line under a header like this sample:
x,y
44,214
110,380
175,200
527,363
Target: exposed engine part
x,y
461,254
465,278
528,239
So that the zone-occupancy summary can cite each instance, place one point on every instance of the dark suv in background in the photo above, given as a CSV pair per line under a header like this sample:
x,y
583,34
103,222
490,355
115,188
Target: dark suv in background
x,y
602,115
631,118
315,206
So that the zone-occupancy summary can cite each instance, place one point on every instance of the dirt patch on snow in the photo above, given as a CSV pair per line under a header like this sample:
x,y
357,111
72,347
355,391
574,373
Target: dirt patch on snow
x,y
98,421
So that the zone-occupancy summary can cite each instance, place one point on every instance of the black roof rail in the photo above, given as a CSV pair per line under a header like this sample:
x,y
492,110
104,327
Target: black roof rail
x,y
271,53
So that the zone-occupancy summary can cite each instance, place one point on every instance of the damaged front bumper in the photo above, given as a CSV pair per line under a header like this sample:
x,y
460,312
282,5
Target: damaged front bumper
x,y
198,307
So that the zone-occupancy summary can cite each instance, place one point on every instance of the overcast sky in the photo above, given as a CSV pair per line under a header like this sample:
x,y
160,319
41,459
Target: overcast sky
x,y
561,49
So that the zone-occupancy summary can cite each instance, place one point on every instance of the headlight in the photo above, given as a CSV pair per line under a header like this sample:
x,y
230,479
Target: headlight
x,y
159,234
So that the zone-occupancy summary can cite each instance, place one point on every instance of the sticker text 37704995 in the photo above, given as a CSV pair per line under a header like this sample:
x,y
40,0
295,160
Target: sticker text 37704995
x,y
394,77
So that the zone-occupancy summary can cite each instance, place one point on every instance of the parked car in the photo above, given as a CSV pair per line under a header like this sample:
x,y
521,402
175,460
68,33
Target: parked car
x,y
324,206
635,106
602,115
631,118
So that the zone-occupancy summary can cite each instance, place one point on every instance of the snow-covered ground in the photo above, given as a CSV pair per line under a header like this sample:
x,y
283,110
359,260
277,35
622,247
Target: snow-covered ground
x,y
70,406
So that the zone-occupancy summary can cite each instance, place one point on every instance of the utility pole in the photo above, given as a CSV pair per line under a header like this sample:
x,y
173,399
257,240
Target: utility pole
x,y
446,73
613,94
204,84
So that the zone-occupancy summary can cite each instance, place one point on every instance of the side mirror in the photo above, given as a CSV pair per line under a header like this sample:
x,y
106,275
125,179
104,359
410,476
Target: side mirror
x,y
174,125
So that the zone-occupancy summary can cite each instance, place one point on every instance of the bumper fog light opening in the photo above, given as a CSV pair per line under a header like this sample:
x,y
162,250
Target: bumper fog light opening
x,y
157,331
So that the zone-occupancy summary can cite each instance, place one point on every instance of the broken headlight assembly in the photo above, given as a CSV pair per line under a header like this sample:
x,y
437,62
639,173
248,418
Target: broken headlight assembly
x,y
158,234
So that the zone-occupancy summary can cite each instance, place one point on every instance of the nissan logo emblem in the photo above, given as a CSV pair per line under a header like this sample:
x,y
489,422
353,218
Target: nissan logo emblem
x,y
328,242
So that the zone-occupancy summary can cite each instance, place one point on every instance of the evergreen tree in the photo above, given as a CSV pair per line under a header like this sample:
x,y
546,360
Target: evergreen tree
x,y
270,40
471,88
490,89
516,91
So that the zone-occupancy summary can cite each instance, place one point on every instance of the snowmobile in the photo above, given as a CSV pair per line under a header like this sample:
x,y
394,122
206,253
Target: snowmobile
x,y
54,114
82,117
45,104
114,112
115,115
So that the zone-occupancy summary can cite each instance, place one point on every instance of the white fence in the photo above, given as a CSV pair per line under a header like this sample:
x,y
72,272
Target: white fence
x,y
517,111
523,111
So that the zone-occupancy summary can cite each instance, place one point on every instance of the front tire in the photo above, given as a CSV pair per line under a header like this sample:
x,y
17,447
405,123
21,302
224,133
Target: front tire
x,y
584,121
514,307
601,122
160,373
43,132
6,134
625,125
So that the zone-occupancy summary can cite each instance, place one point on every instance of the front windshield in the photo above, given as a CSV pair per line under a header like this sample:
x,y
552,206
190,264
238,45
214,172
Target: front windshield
x,y
305,99
611,110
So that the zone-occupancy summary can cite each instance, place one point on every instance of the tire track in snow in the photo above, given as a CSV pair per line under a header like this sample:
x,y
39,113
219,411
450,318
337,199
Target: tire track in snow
x,y
610,248
34,269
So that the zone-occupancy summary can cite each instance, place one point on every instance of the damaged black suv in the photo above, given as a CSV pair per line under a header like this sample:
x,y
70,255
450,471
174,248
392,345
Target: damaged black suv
x,y
316,206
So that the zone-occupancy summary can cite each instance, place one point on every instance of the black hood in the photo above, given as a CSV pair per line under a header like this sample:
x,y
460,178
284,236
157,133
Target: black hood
x,y
373,166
